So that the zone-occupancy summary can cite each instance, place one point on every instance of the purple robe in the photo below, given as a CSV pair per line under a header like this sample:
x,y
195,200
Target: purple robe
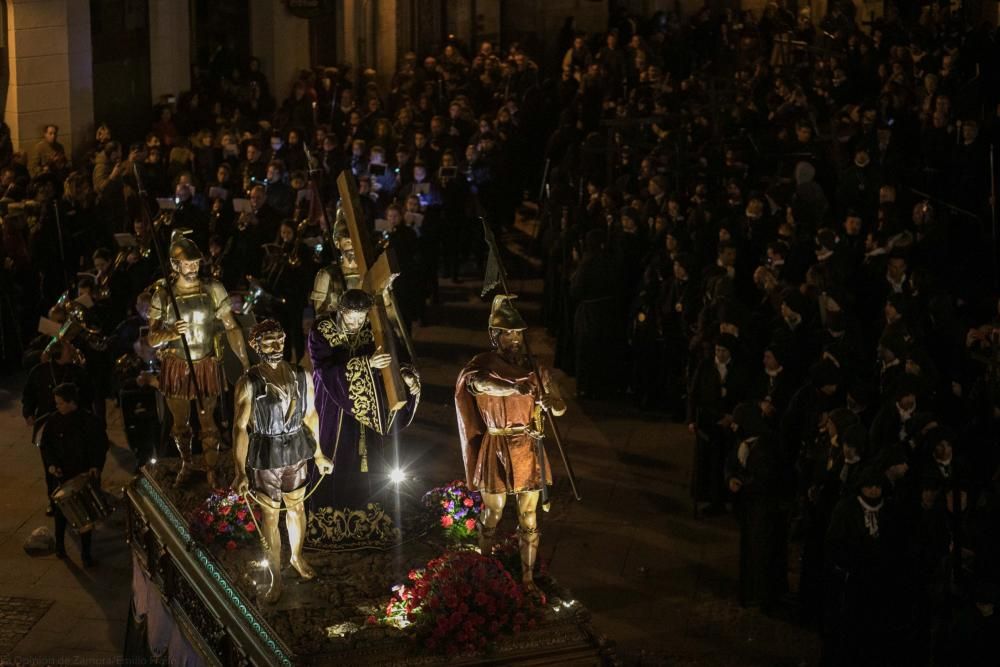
x,y
354,422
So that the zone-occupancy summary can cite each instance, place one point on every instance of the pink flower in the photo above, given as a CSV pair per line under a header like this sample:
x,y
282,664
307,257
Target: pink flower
x,y
251,528
446,521
468,502
224,510
470,524
371,620
230,545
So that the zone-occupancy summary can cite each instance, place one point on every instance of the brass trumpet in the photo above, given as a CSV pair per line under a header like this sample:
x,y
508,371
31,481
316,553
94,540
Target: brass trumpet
x,y
76,325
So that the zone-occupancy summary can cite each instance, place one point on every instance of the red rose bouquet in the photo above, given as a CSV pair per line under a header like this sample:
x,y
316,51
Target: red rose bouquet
x,y
224,519
461,602
456,507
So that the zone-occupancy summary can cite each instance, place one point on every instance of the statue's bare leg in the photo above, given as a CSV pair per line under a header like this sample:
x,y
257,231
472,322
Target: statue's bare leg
x,y
210,440
528,536
180,431
270,509
493,504
295,522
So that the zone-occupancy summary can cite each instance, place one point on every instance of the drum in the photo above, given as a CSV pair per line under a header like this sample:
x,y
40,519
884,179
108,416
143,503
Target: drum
x,y
82,502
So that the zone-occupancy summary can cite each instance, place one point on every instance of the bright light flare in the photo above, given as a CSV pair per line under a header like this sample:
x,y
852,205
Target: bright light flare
x,y
397,476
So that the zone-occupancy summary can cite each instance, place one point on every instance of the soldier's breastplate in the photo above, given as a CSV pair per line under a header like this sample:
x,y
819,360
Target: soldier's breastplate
x,y
198,312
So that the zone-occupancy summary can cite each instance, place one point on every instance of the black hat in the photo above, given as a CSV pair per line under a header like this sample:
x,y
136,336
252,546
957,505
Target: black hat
x,y
838,294
749,419
728,341
826,239
780,352
920,422
843,419
892,455
824,373
906,385
732,312
862,393
871,476
894,343
940,434
854,436
686,260
835,321
793,298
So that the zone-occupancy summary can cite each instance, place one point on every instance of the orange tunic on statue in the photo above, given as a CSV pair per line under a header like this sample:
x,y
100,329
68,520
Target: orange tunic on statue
x,y
495,462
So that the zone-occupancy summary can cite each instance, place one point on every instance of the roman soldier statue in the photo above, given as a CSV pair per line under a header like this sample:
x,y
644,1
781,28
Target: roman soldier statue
x,y
202,304
499,400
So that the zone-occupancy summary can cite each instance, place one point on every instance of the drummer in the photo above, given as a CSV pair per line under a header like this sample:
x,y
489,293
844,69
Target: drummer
x,y
73,443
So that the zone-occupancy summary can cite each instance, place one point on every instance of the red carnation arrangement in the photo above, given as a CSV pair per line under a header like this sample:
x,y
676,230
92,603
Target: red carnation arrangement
x,y
461,602
225,520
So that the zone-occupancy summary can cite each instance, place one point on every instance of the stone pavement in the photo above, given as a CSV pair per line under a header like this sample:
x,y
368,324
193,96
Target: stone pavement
x,y
658,582
88,607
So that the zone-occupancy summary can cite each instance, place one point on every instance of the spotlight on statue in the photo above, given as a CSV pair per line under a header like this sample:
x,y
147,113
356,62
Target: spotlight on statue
x,y
152,461
264,564
397,476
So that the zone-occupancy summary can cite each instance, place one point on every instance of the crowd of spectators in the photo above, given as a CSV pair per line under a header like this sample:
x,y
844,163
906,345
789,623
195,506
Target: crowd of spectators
x,y
779,231
775,229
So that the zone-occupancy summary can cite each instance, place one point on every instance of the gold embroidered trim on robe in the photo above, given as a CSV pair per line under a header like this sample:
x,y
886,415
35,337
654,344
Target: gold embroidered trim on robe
x,y
337,337
361,392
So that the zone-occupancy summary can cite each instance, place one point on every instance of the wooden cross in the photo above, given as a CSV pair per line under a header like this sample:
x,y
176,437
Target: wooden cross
x,y
376,277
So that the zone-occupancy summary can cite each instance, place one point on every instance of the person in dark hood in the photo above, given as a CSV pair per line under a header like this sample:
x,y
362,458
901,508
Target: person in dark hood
x,y
861,552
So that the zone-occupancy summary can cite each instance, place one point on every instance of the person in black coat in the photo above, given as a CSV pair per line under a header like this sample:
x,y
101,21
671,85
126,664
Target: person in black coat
x,y
800,424
598,343
61,363
823,468
861,552
719,384
774,385
73,443
404,242
889,426
752,476
683,305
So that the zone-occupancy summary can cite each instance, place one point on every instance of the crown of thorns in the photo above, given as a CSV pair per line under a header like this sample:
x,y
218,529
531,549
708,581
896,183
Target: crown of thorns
x,y
355,301
262,329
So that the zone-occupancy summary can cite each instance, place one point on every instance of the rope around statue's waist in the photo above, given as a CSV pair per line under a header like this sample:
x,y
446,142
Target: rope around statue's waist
x,y
514,429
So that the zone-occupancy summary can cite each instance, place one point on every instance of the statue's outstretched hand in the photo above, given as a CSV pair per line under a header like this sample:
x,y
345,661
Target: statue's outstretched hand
x,y
323,464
